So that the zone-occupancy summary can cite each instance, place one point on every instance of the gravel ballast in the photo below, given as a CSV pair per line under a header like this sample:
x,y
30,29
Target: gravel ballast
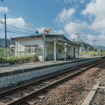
x,y
99,98
72,92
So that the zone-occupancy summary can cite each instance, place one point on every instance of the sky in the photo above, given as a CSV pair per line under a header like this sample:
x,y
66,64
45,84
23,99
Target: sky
x,y
67,17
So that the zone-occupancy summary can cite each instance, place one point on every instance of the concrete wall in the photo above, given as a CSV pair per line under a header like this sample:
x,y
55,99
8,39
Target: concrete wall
x,y
71,51
20,47
21,43
59,47
14,77
60,55
49,46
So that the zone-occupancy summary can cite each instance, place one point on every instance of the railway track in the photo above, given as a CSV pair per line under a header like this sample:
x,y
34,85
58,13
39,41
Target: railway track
x,y
21,95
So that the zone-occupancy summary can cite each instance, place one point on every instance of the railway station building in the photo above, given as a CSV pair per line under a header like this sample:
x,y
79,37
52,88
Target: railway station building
x,y
56,46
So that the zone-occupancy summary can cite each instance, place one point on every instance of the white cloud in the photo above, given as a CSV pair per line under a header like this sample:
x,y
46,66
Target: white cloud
x,y
65,15
3,9
41,30
96,8
57,32
73,27
82,1
89,38
70,1
18,23
99,25
100,39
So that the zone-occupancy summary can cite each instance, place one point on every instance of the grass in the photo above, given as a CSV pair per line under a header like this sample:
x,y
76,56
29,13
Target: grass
x,y
22,59
94,53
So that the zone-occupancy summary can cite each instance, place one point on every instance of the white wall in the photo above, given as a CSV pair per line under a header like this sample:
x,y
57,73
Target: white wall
x,y
20,45
60,55
69,51
23,42
72,51
51,46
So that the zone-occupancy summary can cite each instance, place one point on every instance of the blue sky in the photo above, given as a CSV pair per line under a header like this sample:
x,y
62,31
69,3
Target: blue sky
x,y
67,17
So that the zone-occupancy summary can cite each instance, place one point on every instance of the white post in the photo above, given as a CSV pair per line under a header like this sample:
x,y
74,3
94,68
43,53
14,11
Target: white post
x,y
54,50
78,52
65,51
16,48
44,48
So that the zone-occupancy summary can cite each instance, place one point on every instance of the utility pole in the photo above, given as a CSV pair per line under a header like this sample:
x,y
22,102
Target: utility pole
x,y
94,44
65,50
78,38
44,47
5,26
77,41
98,49
5,31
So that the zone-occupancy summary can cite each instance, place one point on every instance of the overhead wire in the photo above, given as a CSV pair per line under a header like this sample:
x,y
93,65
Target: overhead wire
x,y
27,14
21,11
16,32
21,8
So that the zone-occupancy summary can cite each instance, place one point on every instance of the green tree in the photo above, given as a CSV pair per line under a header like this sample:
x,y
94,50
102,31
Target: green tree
x,y
0,49
89,48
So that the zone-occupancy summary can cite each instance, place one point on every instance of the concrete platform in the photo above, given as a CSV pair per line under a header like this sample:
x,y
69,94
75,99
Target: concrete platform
x,y
14,67
14,74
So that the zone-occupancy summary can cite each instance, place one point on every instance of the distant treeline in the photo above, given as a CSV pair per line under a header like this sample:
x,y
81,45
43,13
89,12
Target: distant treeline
x,y
9,42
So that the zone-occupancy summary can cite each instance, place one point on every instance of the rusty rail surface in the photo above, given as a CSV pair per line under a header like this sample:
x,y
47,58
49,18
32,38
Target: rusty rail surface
x,y
69,73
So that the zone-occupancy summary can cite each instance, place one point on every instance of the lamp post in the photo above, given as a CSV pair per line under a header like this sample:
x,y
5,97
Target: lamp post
x,y
65,50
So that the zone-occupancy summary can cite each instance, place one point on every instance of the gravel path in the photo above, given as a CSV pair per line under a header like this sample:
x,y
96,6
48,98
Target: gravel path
x,y
72,92
99,98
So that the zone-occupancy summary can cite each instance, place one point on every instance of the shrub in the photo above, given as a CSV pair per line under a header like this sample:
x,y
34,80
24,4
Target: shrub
x,y
22,59
12,60
2,60
46,58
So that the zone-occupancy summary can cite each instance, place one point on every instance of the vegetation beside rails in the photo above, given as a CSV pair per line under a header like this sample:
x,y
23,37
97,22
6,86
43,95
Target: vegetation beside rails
x,y
21,59
94,53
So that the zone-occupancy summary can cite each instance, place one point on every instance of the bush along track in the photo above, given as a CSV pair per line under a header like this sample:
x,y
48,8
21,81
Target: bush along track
x,y
23,59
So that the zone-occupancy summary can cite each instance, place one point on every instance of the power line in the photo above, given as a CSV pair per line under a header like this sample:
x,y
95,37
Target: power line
x,y
22,11
16,32
9,30
30,13
78,38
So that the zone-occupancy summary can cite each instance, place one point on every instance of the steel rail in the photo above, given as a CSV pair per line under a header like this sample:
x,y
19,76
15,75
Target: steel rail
x,y
30,95
43,79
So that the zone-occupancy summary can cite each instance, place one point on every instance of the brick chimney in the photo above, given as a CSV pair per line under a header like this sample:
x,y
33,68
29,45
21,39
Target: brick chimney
x,y
47,31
